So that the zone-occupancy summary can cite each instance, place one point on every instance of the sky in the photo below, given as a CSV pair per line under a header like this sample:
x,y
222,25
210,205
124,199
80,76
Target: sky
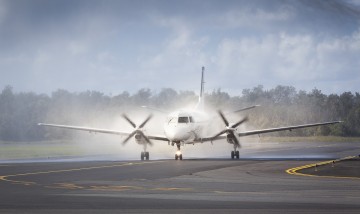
x,y
115,46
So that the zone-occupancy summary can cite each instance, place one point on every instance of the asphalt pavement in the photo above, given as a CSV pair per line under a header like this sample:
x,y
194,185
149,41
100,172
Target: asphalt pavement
x,y
258,183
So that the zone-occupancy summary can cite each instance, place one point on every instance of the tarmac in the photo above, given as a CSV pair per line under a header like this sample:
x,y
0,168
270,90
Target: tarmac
x,y
257,183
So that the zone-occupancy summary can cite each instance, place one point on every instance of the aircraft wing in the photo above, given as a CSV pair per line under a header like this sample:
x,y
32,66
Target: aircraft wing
x,y
247,108
105,131
263,131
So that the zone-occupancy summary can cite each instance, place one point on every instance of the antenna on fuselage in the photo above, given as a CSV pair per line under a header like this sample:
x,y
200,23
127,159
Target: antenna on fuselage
x,y
202,82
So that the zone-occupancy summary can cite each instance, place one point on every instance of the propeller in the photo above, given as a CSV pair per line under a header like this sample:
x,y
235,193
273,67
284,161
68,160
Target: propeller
x,y
137,129
230,130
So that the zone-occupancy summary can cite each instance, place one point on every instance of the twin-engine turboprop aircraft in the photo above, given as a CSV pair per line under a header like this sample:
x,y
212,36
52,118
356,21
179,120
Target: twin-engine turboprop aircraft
x,y
188,127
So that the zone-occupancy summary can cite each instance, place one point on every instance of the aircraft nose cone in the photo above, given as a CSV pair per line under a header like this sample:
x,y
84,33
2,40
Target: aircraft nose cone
x,y
175,135
178,134
170,135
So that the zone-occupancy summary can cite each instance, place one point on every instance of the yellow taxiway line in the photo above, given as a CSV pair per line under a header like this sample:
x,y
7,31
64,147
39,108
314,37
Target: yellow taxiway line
x,y
294,171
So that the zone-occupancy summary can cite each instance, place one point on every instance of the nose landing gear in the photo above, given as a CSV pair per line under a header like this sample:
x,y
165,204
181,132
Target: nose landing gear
x,y
178,155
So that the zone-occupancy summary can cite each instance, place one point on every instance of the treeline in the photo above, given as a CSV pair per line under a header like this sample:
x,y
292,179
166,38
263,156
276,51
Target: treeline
x,y
283,105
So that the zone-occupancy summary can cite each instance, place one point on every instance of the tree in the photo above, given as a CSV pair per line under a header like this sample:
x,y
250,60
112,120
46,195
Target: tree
x,y
282,105
142,97
167,97
7,109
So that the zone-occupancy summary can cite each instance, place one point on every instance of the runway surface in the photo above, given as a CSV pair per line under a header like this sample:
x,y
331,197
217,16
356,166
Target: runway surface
x,y
256,184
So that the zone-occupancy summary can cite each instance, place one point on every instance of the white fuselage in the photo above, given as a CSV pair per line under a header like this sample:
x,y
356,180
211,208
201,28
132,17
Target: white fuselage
x,y
185,125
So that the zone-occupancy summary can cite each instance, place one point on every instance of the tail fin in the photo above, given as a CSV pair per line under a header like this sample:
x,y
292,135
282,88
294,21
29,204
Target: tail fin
x,y
200,105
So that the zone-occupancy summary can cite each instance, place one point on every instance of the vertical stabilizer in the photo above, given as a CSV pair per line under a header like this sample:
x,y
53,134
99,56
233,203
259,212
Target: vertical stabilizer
x,y
200,105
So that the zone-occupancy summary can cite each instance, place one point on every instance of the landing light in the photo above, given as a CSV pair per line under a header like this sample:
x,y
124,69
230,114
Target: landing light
x,y
178,153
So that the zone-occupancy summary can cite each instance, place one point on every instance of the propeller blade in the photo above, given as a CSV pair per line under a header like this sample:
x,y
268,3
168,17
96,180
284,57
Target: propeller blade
x,y
223,118
231,130
237,142
146,120
131,122
240,122
146,138
128,138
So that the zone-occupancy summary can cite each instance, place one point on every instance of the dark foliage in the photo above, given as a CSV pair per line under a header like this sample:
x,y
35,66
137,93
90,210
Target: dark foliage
x,y
283,105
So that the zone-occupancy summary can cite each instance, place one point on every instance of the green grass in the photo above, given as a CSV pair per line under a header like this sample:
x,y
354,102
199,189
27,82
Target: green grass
x,y
62,148
23,150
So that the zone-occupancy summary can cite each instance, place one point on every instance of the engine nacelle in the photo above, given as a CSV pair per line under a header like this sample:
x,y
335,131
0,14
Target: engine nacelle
x,y
230,138
138,138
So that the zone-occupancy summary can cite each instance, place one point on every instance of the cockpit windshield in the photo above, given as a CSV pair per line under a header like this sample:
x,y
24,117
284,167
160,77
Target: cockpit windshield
x,y
180,119
183,120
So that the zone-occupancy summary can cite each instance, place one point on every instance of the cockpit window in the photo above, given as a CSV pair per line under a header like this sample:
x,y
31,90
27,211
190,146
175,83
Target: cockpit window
x,y
183,120
191,119
172,120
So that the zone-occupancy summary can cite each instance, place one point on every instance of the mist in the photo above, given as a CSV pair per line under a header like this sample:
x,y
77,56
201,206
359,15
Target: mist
x,y
280,106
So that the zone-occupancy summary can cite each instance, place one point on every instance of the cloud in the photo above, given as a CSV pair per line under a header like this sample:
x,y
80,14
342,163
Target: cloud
x,y
125,45
301,60
181,54
354,2
254,17
3,11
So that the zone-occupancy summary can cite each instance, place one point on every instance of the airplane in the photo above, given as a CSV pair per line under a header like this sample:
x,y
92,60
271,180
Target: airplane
x,y
186,126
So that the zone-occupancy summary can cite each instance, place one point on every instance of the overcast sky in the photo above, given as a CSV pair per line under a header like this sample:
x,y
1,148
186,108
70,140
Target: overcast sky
x,y
116,46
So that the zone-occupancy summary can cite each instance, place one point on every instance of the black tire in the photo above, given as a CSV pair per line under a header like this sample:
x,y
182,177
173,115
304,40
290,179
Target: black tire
x,y
176,156
237,154
147,155
232,154
142,156
180,157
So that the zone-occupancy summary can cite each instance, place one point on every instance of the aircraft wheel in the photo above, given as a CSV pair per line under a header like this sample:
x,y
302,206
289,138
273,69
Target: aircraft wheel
x,y
237,154
180,157
147,155
142,155
232,154
176,156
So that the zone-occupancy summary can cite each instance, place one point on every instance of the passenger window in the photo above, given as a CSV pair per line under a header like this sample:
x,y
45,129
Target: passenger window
x,y
183,120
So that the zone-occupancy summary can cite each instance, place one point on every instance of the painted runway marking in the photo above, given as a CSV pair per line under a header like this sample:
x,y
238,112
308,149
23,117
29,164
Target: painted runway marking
x,y
65,186
115,188
77,169
294,171
6,177
72,186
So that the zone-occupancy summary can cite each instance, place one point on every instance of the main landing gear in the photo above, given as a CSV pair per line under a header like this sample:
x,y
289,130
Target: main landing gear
x,y
235,154
144,156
